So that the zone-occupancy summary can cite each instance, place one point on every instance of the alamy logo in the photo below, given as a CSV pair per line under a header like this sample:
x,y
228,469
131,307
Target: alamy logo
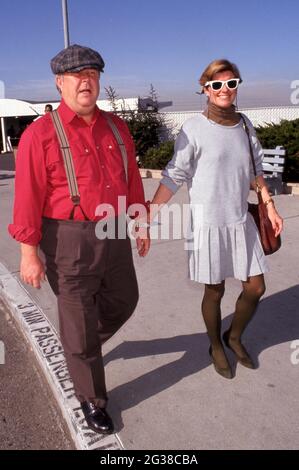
x,y
2,353
2,90
295,354
295,94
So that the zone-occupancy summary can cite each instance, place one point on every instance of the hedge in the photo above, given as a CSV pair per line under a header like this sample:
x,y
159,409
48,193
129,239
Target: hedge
x,y
286,134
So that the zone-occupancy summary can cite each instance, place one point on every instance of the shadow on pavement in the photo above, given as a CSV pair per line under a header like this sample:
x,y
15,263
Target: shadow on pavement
x,y
276,322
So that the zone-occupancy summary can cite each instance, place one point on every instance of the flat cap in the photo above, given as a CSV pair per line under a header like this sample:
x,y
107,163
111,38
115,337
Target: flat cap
x,y
75,58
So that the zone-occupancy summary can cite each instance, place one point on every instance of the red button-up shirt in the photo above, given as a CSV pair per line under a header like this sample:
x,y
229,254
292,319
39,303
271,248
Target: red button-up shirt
x,y
41,187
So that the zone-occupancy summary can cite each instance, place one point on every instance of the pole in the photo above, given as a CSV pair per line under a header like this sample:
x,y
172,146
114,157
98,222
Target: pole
x,y
4,136
65,24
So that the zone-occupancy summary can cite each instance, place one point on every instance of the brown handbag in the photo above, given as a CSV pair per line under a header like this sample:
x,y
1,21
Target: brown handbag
x,y
269,242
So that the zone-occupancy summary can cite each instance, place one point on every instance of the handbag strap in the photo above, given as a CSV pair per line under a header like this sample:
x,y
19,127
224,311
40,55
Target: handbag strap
x,y
258,188
250,145
120,142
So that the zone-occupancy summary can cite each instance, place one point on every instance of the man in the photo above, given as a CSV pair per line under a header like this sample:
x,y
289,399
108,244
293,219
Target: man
x,y
94,279
48,108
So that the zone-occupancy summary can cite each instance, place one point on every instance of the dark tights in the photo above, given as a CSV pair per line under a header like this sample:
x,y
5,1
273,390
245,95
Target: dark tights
x,y
246,305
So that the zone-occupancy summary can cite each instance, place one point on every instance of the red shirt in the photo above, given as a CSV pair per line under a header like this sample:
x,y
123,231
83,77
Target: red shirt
x,y
41,187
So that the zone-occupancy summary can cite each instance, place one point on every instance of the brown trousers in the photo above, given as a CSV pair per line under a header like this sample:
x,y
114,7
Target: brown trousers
x,y
96,288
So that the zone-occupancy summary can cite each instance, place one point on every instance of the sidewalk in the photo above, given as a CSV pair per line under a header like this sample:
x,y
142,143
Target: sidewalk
x,y
164,392
29,416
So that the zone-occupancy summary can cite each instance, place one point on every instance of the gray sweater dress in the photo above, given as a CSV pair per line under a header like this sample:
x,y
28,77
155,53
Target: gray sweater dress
x,y
214,161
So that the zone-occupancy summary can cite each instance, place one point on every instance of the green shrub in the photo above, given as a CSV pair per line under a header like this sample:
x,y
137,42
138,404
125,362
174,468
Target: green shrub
x,y
157,158
144,127
286,134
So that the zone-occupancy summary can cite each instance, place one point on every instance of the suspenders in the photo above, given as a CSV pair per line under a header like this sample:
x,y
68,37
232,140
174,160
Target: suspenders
x,y
68,158
120,142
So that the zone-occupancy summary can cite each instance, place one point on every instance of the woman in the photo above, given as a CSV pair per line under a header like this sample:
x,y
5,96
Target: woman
x,y
212,155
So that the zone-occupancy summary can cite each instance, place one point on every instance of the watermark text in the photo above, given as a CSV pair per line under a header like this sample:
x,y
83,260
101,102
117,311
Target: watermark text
x,y
295,94
295,353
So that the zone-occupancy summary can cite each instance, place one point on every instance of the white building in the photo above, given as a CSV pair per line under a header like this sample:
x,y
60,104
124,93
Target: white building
x,y
258,116
16,114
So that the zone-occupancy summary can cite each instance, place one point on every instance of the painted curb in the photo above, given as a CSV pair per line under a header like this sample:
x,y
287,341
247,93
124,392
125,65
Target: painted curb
x,y
47,348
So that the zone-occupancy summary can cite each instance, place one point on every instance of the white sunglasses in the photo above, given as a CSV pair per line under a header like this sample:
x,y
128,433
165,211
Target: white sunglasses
x,y
217,85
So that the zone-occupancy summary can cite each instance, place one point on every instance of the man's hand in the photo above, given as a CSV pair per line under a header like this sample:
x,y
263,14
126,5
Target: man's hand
x,y
32,270
141,231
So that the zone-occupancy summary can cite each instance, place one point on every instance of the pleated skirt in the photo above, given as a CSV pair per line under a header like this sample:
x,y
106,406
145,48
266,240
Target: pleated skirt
x,y
217,253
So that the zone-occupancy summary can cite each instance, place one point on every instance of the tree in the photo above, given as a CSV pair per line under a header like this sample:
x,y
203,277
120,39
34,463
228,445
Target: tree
x,y
112,97
158,157
154,97
144,127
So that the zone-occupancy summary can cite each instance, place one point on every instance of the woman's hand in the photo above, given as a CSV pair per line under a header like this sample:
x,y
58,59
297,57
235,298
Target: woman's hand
x,y
276,220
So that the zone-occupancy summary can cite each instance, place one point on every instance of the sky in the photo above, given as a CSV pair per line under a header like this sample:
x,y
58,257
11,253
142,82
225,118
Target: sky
x,y
167,43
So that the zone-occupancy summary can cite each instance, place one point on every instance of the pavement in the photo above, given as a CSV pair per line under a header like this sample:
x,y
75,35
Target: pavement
x,y
163,391
24,389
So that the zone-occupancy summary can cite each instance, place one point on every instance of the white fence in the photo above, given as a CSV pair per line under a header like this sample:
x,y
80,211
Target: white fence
x,y
258,116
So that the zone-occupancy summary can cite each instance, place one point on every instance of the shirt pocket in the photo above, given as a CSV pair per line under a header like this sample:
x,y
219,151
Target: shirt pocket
x,y
54,164
83,161
114,161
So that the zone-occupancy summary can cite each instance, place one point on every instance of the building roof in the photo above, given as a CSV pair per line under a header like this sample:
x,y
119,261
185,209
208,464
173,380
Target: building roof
x,y
17,108
14,108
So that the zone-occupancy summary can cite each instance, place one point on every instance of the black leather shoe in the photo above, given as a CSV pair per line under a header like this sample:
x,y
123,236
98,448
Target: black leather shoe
x,y
245,359
97,418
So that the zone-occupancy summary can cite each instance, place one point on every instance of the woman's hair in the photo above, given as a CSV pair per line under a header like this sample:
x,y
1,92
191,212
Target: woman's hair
x,y
219,65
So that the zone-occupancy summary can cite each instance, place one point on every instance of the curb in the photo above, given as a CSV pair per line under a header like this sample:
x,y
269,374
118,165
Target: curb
x,y
47,348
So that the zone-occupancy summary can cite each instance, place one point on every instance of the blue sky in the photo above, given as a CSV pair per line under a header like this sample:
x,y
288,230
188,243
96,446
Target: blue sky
x,y
164,42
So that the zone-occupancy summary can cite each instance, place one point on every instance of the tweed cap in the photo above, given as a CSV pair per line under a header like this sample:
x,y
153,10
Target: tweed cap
x,y
75,58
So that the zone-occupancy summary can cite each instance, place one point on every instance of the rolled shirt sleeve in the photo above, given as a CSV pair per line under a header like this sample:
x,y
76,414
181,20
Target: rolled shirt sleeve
x,y
30,190
180,169
135,186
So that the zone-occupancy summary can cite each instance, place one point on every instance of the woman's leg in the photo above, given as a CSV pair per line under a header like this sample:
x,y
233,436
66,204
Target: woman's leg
x,y
212,317
246,305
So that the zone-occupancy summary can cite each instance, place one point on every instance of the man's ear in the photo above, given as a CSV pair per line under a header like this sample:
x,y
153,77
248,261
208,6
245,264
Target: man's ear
x,y
59,82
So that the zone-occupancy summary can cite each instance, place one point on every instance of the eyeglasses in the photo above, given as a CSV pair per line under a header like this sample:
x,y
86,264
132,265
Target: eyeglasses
x,y
217,85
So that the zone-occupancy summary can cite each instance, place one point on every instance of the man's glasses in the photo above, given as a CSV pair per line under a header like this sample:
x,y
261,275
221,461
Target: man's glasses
x,y
217,85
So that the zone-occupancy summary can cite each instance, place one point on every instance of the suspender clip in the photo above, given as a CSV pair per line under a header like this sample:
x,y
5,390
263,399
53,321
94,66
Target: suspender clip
x,y
76,200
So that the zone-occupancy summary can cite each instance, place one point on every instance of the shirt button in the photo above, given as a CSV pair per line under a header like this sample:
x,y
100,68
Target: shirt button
x,y
97,147
102,166
110,147
108,186
86,150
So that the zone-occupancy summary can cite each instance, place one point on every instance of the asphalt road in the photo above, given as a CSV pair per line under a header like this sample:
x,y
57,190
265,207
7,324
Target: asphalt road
x,y
29,416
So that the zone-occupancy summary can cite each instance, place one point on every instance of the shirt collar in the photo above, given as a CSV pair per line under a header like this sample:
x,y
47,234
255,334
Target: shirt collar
x,y
68,115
